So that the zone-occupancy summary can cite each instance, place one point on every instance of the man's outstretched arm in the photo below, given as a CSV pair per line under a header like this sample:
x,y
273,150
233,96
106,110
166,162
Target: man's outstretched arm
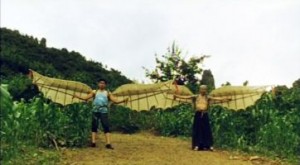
x,y
184,96
90,95
115,100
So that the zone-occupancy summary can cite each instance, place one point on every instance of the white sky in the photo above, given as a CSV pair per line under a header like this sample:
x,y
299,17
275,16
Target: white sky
x,y
254,40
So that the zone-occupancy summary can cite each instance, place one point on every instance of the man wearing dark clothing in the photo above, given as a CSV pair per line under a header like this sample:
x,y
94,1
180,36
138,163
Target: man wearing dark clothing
x,y
202,138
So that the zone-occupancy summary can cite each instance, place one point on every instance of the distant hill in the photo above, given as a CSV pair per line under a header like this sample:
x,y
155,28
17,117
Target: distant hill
x,y
20,52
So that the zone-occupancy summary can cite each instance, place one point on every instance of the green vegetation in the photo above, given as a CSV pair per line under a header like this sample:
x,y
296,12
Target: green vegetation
x,y
39,124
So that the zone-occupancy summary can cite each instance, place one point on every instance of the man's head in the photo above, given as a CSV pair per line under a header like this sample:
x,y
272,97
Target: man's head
x,y
203,90
101,83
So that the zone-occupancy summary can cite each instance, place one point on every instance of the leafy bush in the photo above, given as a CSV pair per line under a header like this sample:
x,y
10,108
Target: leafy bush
x,y
267,127
43,125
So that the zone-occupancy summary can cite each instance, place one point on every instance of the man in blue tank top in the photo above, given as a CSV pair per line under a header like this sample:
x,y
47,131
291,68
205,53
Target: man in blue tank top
x,y
100,110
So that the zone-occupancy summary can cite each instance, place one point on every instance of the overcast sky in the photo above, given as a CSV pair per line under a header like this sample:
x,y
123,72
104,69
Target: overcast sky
x,y
254,40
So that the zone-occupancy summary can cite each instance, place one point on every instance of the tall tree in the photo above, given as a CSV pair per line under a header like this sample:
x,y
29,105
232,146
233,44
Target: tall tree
x,y
245,83
173,65
296,84
43,42
208,79
226,84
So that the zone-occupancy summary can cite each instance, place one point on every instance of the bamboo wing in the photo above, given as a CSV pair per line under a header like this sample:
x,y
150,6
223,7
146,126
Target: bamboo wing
x,y
147,96
241,96
58,90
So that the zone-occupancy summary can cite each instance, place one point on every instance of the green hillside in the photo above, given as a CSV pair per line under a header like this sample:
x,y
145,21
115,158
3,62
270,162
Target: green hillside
x,y
20,52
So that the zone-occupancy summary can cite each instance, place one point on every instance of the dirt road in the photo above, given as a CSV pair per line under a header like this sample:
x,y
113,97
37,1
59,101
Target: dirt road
x,y
147,149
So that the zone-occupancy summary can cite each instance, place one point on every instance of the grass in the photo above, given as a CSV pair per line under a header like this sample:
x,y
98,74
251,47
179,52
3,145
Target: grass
x,y
30,155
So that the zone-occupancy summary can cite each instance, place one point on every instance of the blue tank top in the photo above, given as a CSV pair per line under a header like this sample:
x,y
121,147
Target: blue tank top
x,y
100,103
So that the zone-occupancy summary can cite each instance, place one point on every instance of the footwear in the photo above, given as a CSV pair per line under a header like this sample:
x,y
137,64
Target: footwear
x,y
207,149
196,148
108,146
93,145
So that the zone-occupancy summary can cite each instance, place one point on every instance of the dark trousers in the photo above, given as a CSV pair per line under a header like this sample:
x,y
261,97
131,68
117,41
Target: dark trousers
x,y
202,135
103,117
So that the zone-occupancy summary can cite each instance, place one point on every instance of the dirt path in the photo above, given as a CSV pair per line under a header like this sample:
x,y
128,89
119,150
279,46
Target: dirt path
x,y
147,149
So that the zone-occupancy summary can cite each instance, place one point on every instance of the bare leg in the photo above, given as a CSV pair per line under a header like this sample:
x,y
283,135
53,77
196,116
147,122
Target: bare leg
x,y
94,137
107,138
108,145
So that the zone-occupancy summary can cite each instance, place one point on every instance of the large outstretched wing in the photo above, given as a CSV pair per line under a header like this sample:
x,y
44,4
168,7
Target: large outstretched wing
x,y
146,96
58,90
241,96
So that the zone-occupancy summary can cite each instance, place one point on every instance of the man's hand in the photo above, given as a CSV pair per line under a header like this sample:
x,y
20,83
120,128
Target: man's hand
x,y
78,97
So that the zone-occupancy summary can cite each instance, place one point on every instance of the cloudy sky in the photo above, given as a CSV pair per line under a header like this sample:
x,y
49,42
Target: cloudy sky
x,y
254,40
